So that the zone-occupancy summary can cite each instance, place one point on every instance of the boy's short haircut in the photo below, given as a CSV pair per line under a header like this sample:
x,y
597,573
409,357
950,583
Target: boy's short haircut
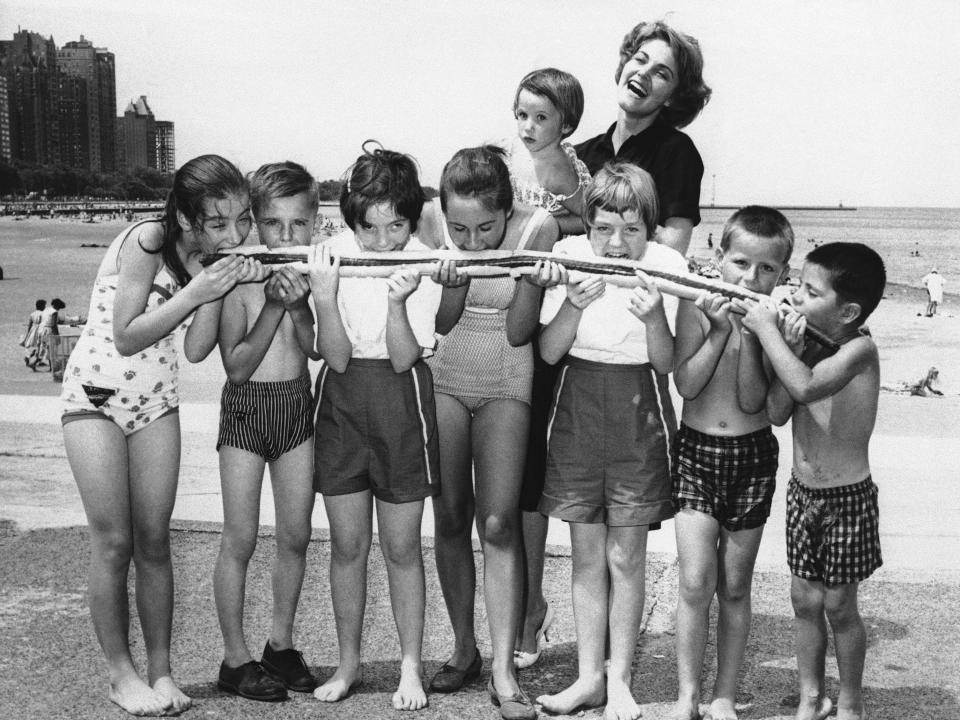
x,y
478,172
692,92
761,221
560,88
280,180
381,176
620,187
856,273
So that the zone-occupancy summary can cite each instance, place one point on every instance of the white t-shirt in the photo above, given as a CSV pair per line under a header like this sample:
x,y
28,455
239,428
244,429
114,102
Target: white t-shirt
x,y
363,305
608,331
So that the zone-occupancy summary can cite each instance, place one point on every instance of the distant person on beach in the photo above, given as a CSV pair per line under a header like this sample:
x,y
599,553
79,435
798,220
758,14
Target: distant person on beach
x,y
544,172
933,282
376,423
660,88
482,373
50,321
121,426
31,336
724,459
266,334
608,470
833,541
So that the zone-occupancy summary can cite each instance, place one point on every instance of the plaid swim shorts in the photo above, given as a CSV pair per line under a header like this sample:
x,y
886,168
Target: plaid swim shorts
x,y
833,534
732,479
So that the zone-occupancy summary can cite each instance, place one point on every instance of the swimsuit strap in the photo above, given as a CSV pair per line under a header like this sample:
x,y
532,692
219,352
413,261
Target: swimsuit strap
x,y
532,227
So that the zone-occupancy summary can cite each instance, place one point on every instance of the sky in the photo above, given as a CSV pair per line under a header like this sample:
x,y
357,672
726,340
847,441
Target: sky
x,y
814,102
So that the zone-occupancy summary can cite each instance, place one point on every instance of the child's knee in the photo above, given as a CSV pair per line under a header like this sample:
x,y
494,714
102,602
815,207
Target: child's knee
x,y
350,549
737,591
152,548
401,552
624,562
841,608
452,523
501,529
114,548
238,544
293,541
807,600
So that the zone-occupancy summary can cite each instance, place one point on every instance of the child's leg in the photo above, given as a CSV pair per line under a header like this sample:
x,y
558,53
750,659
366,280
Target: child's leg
x,y
738,553
241,476
627,560
399,525
590,582
291,478
453,512
154,456
807,597
535,526
351,525
850,639
697,535
97,451
499,436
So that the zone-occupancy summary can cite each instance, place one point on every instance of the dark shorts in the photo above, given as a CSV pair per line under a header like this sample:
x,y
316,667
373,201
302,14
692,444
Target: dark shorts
x,y
376,430
833,534
732,479
609,436
267,419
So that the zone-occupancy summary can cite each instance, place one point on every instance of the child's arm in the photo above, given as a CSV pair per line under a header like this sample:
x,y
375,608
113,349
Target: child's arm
x,y
242,351
454,296
402,345
753,379
133,329
698,354
779,404
524,312
646,303
296,290
201,336
806,384
557,336
333,345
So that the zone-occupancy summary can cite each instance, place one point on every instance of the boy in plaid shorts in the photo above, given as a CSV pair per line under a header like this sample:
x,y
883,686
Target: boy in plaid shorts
x,y
724,459
832,518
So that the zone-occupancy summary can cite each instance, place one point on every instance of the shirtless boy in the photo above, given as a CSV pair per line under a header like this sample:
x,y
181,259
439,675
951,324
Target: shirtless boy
x,y
266,335
725,459
833,540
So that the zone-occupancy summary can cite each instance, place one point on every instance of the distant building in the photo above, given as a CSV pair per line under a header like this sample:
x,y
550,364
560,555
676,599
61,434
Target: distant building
x,y
29,64
79,58
146,141
166,147
74,121
5,155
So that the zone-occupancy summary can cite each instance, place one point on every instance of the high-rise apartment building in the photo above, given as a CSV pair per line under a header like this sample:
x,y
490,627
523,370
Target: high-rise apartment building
x,y
5,155
166,149
79,58
29,64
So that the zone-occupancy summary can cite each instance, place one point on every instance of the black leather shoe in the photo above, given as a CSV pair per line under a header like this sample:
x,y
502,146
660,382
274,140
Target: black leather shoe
x,y
450,679
251,681
288,667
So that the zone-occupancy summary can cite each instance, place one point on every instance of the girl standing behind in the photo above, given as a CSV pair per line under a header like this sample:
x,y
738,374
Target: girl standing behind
x,y
544,172
31,336
482,373
121,426
376,426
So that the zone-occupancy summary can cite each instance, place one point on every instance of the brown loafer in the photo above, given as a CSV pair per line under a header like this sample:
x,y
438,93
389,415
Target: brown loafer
x,y
450,679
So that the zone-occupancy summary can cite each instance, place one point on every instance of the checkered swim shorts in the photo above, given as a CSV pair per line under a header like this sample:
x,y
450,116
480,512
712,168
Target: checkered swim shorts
x,y
731,478
833,534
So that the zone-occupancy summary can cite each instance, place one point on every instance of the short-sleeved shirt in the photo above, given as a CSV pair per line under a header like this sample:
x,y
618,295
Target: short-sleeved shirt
x,y
363,306
608,332
663,151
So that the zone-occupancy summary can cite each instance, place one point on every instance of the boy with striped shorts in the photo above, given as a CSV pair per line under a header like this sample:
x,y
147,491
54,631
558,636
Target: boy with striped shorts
x,y
266,334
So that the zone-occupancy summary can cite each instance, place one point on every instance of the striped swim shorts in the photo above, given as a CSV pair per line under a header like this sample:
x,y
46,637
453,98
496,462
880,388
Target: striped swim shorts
x,y
833,534
266,418
732,479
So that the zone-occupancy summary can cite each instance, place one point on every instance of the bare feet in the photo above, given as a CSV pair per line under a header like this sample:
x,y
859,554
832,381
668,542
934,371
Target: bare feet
x,y
721,709
340,685
850,713
584,693
410,694
814,708
685,710
620,702
136,697
169,691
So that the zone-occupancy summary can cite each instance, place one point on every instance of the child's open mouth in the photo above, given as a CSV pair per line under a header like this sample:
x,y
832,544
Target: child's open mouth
x,y
616,255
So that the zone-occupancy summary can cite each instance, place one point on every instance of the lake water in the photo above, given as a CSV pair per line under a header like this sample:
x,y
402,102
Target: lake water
x,y
893,232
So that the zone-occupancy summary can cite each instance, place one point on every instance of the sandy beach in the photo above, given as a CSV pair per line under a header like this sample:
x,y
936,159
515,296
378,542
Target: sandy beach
x,y
909,604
